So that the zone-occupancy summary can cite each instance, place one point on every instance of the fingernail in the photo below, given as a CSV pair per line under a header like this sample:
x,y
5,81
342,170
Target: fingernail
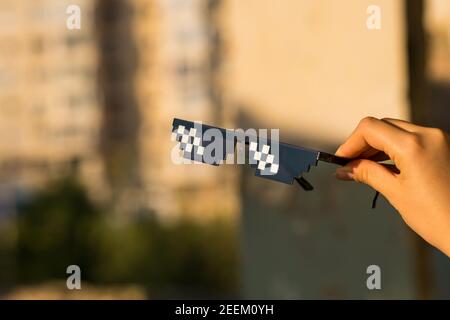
x,y
338,151
344,173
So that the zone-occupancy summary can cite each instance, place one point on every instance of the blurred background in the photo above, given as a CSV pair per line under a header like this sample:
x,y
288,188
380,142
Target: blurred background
x,y
85,170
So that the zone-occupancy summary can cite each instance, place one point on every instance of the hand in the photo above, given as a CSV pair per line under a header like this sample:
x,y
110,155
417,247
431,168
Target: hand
x,y
418,186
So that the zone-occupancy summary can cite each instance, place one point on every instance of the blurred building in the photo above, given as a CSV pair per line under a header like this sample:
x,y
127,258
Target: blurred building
x,y
159,61
103,98
48,104
186,83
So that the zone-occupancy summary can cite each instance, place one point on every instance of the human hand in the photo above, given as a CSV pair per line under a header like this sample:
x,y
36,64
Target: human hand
x,y
419,184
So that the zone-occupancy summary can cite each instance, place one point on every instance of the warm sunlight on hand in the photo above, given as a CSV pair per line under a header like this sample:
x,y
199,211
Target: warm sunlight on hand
x,y
420,188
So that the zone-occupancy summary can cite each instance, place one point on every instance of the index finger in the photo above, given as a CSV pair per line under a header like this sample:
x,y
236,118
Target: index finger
x,y
372,133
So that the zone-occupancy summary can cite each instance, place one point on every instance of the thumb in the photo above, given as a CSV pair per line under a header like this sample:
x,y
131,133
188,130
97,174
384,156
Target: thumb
x,y
368,172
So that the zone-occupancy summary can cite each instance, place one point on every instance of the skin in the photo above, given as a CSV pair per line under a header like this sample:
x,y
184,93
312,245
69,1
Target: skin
x,y
418,185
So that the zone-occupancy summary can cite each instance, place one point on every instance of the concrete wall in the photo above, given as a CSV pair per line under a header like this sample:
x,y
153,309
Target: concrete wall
x,y
313,69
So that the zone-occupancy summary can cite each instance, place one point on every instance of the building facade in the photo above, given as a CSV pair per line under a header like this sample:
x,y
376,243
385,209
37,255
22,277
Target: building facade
x,y
103,98
48,100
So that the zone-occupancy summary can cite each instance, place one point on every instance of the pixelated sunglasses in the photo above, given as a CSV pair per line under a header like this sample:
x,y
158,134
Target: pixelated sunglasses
x,y
285,163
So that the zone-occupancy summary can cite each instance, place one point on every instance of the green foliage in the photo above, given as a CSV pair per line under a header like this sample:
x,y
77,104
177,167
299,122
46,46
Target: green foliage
x,y
60,226
55,230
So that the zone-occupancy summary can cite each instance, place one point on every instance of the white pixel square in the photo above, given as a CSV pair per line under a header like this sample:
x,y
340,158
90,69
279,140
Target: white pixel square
x,y
192,132
261,165
253,146
180,130
185,139
274,168
188,148
257,155
200,150
270,158
265,149
196,141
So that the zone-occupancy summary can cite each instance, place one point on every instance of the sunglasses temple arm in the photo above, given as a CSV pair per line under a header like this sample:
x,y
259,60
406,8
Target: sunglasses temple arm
x,y
304,184
330,158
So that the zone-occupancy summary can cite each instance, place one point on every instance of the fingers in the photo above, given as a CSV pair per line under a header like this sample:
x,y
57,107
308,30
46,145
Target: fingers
x,y
379,156
376,140
372,133
369,172
374,155
405,125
